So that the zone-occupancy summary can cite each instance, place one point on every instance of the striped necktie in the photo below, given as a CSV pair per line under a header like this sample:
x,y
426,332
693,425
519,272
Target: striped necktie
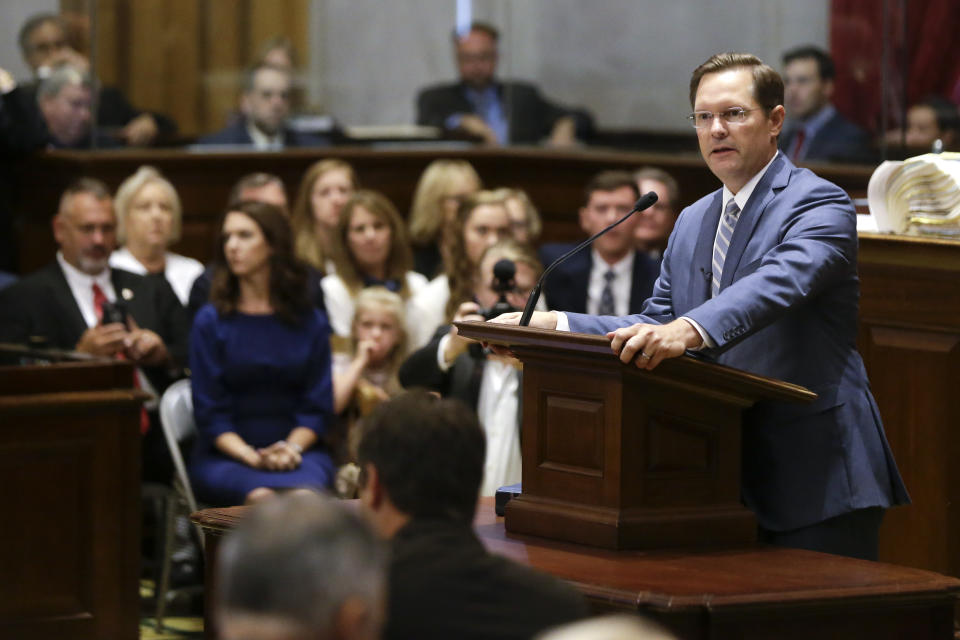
x,y
607,307
720,247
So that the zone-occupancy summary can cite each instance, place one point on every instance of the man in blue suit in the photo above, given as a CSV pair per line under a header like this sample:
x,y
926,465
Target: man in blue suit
x,y
613,277
762,275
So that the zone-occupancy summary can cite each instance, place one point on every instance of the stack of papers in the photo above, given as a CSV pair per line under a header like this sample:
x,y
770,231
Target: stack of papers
x,y
920,195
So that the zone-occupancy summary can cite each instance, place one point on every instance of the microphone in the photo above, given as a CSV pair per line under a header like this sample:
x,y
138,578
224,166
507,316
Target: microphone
x,y
644,202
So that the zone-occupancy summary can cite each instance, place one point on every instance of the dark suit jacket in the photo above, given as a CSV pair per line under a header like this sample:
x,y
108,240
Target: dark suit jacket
x,y
460,381
787,309
237,134
838,140
444,584
43,305
565,289
530,116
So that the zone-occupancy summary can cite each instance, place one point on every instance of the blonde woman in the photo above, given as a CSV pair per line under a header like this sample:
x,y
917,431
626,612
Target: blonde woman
x,y
149,219
368,248
443,184
480,221
325,188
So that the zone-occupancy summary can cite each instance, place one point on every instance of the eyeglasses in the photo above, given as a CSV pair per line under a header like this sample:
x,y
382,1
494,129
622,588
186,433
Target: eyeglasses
x,y
734,115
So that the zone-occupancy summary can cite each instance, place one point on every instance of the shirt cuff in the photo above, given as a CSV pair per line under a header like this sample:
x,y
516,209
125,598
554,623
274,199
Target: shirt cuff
x,y
563,324
707,342
441,349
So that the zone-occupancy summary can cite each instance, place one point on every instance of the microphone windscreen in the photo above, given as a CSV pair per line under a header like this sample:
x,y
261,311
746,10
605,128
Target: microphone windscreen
x,y
646,200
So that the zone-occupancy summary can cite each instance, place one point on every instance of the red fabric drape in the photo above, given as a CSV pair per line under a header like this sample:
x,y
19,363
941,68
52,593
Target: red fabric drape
x,y
925,54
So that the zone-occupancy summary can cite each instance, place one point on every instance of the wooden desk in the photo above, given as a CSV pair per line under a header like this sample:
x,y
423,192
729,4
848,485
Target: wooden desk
x,y
757,592
70,490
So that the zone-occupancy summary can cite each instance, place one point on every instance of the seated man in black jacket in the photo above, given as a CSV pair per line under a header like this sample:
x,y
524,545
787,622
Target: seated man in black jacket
x,y
78,302
495,112
421,463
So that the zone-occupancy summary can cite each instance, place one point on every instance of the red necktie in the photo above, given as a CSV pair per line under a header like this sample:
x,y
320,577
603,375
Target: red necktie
x,y
100,299
798,141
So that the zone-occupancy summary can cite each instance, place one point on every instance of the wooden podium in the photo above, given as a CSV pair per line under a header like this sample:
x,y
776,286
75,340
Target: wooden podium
x,y
70,469
621,458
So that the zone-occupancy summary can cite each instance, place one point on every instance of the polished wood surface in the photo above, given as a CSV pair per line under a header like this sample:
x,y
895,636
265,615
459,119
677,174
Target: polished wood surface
x,y
910,341
622,458
70,490
743,593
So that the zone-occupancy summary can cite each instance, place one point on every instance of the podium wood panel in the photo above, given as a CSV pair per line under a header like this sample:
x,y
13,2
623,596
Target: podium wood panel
x,y
621,458
70,468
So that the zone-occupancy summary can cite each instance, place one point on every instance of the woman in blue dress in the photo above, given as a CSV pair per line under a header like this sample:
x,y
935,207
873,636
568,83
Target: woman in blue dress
x,y
260,361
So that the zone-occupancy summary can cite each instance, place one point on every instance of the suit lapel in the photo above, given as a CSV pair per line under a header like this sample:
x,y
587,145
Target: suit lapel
x,y
580,281
703,252
770,184
76,325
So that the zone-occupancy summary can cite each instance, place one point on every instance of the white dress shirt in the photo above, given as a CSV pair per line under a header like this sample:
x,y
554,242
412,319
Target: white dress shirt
x,y
81,286
262,141
620,285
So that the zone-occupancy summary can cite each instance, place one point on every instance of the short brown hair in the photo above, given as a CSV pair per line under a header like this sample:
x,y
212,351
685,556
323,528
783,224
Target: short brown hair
x,y
610,181
767,83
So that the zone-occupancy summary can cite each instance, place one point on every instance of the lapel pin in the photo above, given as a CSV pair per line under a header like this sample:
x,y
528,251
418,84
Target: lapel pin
x,y
126,294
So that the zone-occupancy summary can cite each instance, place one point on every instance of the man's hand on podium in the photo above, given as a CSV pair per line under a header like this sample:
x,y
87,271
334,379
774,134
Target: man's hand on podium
x,y
650,344
539,320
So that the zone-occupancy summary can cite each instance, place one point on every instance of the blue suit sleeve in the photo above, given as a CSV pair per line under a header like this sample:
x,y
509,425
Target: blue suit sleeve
x,y
211,401
316,407
817,247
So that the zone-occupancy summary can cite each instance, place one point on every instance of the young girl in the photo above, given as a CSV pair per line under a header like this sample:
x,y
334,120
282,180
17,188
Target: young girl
x,y
367,375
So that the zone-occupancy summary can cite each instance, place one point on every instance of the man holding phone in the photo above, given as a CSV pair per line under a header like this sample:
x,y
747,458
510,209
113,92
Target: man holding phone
x,y
78,302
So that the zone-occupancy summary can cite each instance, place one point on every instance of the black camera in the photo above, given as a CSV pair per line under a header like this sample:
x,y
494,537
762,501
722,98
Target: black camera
x,y
504,272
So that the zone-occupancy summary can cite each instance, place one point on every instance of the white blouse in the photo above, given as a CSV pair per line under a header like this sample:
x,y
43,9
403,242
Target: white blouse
x,y
180,271
340,304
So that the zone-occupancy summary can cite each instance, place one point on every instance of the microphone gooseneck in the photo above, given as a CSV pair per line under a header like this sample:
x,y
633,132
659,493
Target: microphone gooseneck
x,y
644,202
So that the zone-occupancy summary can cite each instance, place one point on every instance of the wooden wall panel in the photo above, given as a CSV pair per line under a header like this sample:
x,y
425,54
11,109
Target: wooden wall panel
x,y
223,46
185,58
910,341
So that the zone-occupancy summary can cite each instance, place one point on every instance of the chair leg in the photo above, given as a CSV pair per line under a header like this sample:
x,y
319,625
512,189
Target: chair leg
x,y
168,542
